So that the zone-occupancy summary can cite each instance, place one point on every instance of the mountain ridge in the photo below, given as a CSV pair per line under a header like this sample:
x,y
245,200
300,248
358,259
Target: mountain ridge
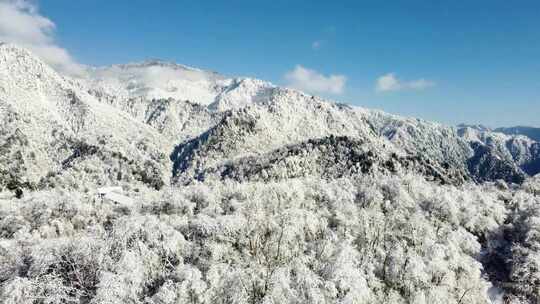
x,y
233,118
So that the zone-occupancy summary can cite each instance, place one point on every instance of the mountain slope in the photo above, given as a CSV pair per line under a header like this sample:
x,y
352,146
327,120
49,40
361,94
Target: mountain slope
x,y
530,132
48,117
164,80
328,158
118,124
518,151
156,79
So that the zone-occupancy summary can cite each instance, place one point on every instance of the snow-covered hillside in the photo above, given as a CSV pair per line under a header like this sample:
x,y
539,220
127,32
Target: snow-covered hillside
x,y
520,150
531,132
50,124
156,79
163,80
152,111
241,191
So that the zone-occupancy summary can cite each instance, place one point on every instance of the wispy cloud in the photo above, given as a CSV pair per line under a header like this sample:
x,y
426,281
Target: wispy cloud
x,y
389,82
311,81
21,24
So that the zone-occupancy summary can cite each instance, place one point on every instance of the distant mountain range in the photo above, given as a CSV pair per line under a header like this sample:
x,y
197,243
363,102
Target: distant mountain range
x,y
531,132
157,123
512,146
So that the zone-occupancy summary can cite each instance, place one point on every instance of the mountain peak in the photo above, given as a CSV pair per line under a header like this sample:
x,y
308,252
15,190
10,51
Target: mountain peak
x,y
531,132
12,56
152,62
478,127
13,49
21,72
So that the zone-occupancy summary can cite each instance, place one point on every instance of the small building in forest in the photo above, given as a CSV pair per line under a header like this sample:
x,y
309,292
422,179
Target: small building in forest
x,y
114,194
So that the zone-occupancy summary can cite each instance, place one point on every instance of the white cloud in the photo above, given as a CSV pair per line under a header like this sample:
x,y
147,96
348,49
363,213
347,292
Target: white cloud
x,y
312,81
390,82
387,82
21,24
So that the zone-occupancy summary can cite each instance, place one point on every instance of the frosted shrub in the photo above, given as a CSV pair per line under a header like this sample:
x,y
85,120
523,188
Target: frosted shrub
x,y
56,270
376,239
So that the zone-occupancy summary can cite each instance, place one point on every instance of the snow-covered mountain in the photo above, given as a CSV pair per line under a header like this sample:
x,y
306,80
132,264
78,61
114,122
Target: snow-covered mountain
x,y
241,191
148,112
531,132
50,124
156,79
519,150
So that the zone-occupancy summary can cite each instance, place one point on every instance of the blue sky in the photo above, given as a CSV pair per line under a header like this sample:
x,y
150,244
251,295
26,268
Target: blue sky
x,y
448,61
